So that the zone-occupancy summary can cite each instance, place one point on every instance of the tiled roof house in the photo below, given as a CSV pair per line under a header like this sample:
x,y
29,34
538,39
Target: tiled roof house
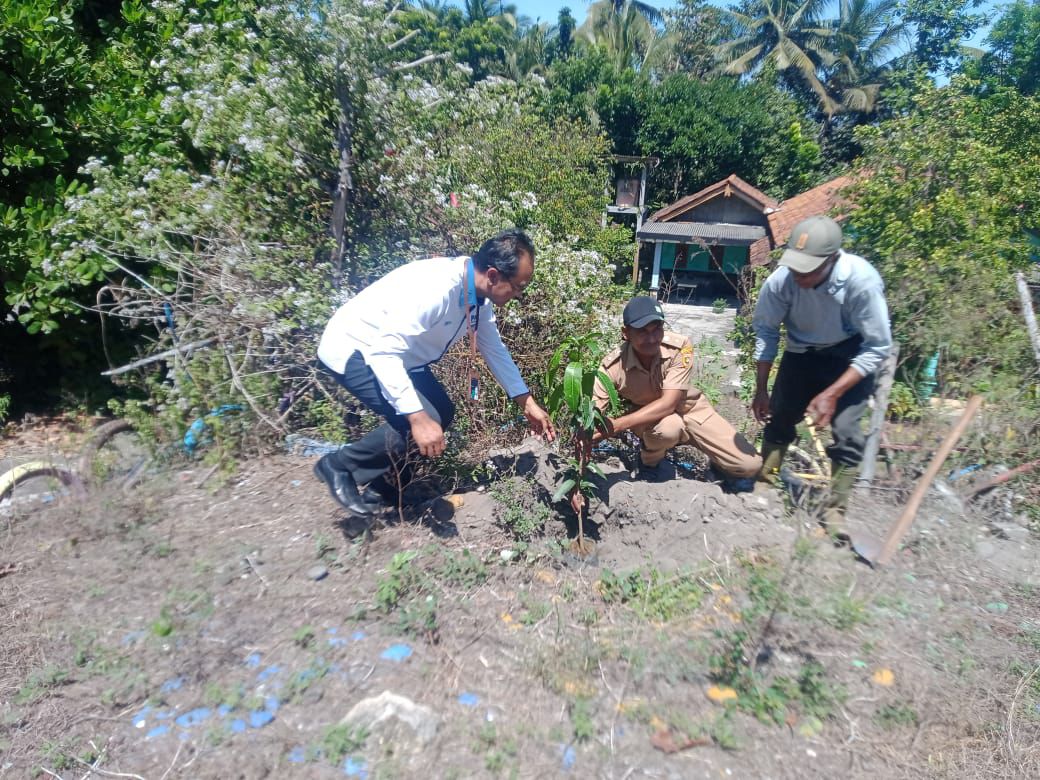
x,y
705,240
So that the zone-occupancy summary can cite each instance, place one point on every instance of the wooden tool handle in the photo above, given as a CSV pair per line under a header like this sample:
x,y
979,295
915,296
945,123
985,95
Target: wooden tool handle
x,y
906,519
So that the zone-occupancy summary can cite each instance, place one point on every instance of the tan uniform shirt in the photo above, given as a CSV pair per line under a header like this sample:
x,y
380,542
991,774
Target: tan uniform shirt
x,y
670,370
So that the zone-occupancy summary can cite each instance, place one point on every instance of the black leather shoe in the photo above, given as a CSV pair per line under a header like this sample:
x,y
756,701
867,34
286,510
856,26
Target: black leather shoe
x,y
373,499
342,487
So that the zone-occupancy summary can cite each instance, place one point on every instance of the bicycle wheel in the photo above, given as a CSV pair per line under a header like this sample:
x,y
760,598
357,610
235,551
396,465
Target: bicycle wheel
x,y
115,452
37,477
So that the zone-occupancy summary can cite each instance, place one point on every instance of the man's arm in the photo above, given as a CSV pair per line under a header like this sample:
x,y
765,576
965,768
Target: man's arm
x,y
868,314
537,417
760,404
669,403
770,311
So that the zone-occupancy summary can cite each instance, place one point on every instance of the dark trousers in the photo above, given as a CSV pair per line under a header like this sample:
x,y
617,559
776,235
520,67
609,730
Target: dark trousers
x,y
387,448
801,377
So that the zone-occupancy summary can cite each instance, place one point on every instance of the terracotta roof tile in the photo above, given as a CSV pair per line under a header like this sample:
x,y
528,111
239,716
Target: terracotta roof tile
x,y
822,199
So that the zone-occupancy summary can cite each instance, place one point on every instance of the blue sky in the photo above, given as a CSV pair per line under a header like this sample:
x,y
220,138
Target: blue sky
x,y
548,10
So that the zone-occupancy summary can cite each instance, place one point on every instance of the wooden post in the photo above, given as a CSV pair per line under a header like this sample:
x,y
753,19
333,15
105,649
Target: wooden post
x,y
1027,310
906,519
886,376
635,266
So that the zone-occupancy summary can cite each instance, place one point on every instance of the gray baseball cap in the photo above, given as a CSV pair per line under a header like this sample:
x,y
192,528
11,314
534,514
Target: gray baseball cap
x,y
811,242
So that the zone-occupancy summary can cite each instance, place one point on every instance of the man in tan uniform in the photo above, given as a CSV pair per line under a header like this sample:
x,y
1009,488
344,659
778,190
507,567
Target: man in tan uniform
x,y
651,370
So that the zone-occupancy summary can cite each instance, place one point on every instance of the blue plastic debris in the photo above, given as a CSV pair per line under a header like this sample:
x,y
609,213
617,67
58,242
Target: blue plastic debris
x,y
297,755
158,731
397,653
238,725
568,757
337,641
271,704
357,636
141,718
260,718
197,432
355,767
173,684
253,660
469,699
223,710
296,444
193,717
268,673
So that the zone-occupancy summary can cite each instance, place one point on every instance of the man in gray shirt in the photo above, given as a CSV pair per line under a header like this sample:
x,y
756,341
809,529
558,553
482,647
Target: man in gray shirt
x,y
833,306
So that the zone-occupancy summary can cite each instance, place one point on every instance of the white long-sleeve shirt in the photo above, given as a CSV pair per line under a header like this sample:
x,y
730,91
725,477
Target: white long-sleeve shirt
x,y
408,319
851,301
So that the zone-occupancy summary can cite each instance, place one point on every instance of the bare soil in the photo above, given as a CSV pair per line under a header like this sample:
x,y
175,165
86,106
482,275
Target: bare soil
x,y
180,630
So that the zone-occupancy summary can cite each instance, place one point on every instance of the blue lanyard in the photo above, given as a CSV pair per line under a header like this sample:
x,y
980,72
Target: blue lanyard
x,y
472,297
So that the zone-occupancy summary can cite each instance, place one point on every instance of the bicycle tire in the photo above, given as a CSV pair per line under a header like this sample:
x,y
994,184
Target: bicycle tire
x,y
10,479
103,434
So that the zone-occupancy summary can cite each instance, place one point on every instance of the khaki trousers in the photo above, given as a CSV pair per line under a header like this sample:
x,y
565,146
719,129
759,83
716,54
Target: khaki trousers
x,y
700,426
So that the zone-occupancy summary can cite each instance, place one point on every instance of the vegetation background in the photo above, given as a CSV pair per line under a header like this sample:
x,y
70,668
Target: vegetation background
x,y
225,173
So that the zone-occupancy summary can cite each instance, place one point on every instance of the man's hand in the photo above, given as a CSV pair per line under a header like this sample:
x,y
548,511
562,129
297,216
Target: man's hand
x,y
598,435
822,408
427,434
760,405
539,419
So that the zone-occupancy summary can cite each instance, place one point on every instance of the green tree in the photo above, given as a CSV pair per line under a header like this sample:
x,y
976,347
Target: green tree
x,y
789,36
1013,56
940,28
697,29
704,131
867,33
944,198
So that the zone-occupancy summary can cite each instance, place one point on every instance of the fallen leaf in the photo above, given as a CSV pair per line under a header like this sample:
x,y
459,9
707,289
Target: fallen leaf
x,y
721,694
456,501
544,576
884,677
665,742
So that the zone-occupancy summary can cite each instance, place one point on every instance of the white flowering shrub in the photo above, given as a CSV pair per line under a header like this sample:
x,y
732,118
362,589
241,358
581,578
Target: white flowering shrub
x,y
223,241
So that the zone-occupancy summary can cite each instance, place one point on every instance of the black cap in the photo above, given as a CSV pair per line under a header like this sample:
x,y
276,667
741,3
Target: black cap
x,y
641,311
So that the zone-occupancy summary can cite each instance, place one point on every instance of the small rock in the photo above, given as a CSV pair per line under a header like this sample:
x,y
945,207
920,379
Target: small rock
x,y
1010,531
317,573
392,717
985,549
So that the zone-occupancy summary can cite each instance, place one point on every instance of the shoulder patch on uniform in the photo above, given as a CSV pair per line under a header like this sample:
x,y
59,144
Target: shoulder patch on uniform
x,y
676,340
611,358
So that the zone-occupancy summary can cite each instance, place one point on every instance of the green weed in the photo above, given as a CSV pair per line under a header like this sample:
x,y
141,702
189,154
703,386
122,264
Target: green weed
x,y
521,513
465,570
39,682
892,716
581,719
341,740
303,636
651,595
400,579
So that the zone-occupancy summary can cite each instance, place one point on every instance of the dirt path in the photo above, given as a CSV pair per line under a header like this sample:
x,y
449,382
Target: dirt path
x,y
226,630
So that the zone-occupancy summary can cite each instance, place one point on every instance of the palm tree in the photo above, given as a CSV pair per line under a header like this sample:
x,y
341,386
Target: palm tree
x,y
647,11
627,36
786,35
866,32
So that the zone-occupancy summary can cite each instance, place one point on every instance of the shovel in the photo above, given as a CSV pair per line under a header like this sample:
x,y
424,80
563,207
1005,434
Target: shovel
x,y
879,553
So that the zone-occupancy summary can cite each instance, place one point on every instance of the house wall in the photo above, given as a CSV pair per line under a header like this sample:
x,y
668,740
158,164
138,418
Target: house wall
x,y
732,210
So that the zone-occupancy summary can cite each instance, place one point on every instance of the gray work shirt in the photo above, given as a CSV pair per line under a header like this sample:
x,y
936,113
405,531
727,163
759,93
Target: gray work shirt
x,y
850,302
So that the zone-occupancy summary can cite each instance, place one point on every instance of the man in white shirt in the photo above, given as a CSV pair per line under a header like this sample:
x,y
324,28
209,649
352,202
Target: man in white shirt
x,y
381,344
